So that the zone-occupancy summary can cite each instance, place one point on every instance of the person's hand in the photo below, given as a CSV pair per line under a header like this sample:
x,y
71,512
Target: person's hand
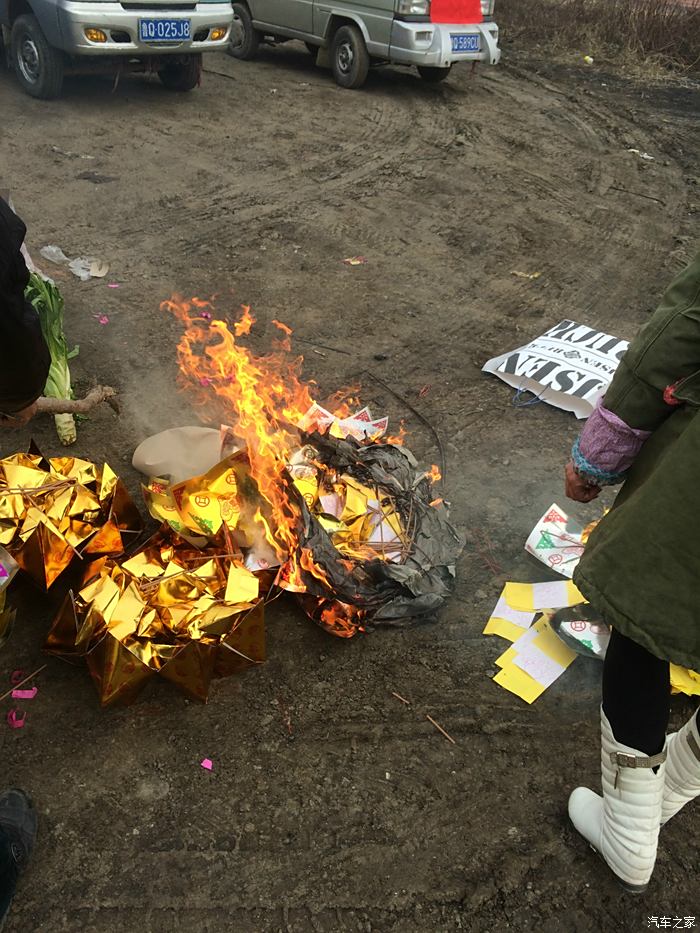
x,y
19,418
577,488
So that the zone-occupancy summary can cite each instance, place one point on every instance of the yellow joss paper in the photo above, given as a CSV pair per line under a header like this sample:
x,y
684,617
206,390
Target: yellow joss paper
x,y
532,597
242,586
503,627
202,504
684,681
198,508
161,503
518,682
533,662
308,487
357,499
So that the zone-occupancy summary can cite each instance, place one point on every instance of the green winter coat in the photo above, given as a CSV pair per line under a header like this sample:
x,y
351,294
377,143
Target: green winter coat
x,y
641,566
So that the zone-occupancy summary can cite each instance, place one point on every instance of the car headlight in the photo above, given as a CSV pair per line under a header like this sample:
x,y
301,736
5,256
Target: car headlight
x,y
487,7
414,7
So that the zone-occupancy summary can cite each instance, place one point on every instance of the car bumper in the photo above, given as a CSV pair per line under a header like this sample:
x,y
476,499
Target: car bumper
x,y
430,44
122,28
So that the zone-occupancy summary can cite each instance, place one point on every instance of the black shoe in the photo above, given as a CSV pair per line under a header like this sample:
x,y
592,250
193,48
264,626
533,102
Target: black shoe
x,y
18,819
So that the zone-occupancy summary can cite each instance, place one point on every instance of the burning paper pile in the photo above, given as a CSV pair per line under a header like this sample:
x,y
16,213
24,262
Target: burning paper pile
x,y
313,500
172,610
351,520
54,510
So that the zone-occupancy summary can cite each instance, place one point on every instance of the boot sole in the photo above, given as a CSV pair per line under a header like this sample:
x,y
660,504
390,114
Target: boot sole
x,y
625,885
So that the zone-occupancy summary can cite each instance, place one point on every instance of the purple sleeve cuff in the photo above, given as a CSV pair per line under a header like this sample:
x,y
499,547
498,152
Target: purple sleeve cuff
x,y
608,444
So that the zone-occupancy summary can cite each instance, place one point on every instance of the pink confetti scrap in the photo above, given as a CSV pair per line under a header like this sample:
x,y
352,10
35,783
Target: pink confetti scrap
x,y
25,694
16,676
207,764
101,318
113,285
15,719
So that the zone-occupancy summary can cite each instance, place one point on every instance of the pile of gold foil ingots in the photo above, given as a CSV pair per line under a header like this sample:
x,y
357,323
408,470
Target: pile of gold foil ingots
x,y
188,604
186,612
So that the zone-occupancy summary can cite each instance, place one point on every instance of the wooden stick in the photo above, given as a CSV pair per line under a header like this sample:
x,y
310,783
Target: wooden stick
x,y
399,697
440,729
17,686
72,406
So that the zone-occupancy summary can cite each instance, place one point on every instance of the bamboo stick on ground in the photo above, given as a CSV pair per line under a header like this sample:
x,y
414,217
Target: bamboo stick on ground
x,y
78,406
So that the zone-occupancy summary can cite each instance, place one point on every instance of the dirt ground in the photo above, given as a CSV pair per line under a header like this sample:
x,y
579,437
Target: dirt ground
x,y
256,187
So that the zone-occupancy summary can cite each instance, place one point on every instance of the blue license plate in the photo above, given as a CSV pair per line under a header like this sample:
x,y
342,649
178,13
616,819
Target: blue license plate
x,y
465,43
164,30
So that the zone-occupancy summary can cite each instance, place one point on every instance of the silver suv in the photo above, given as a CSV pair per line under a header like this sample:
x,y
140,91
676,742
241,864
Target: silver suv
x,y
351,35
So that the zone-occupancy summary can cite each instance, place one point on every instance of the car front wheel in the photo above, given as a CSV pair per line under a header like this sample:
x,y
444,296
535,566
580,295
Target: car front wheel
x,y
245,39
182,76
349,57
38,66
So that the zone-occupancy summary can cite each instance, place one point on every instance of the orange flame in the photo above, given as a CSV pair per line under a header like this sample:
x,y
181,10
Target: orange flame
x,y
397,439
433,473
263,396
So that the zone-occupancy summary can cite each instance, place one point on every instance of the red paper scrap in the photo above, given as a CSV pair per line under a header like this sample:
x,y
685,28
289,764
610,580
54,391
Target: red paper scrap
x,y
24,694
16,676
15,719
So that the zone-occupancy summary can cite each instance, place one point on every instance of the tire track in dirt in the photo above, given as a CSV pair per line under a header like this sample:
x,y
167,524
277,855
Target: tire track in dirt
x,y
387,138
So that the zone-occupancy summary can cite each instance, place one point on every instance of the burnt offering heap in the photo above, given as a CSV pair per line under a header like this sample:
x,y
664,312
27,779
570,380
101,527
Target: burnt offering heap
x,y
299,497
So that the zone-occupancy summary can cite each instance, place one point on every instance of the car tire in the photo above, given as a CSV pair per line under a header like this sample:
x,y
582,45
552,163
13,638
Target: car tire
x,y
245,39
349,57
433,75
38,66
182,76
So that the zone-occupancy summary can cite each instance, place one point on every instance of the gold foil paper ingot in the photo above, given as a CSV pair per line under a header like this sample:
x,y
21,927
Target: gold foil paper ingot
x,y
53,511
169,609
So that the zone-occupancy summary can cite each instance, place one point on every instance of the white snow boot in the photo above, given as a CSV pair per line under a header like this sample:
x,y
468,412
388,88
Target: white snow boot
x,y
682,782
623,825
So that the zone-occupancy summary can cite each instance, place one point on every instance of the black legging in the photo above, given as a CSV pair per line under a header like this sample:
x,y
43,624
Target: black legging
x,y
636,691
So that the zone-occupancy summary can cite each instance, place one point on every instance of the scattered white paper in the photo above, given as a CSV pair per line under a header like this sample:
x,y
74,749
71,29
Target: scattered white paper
x,y
537,664
551,595
360,425
332,504
84,267
642,155
502,610
570,366
54,254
